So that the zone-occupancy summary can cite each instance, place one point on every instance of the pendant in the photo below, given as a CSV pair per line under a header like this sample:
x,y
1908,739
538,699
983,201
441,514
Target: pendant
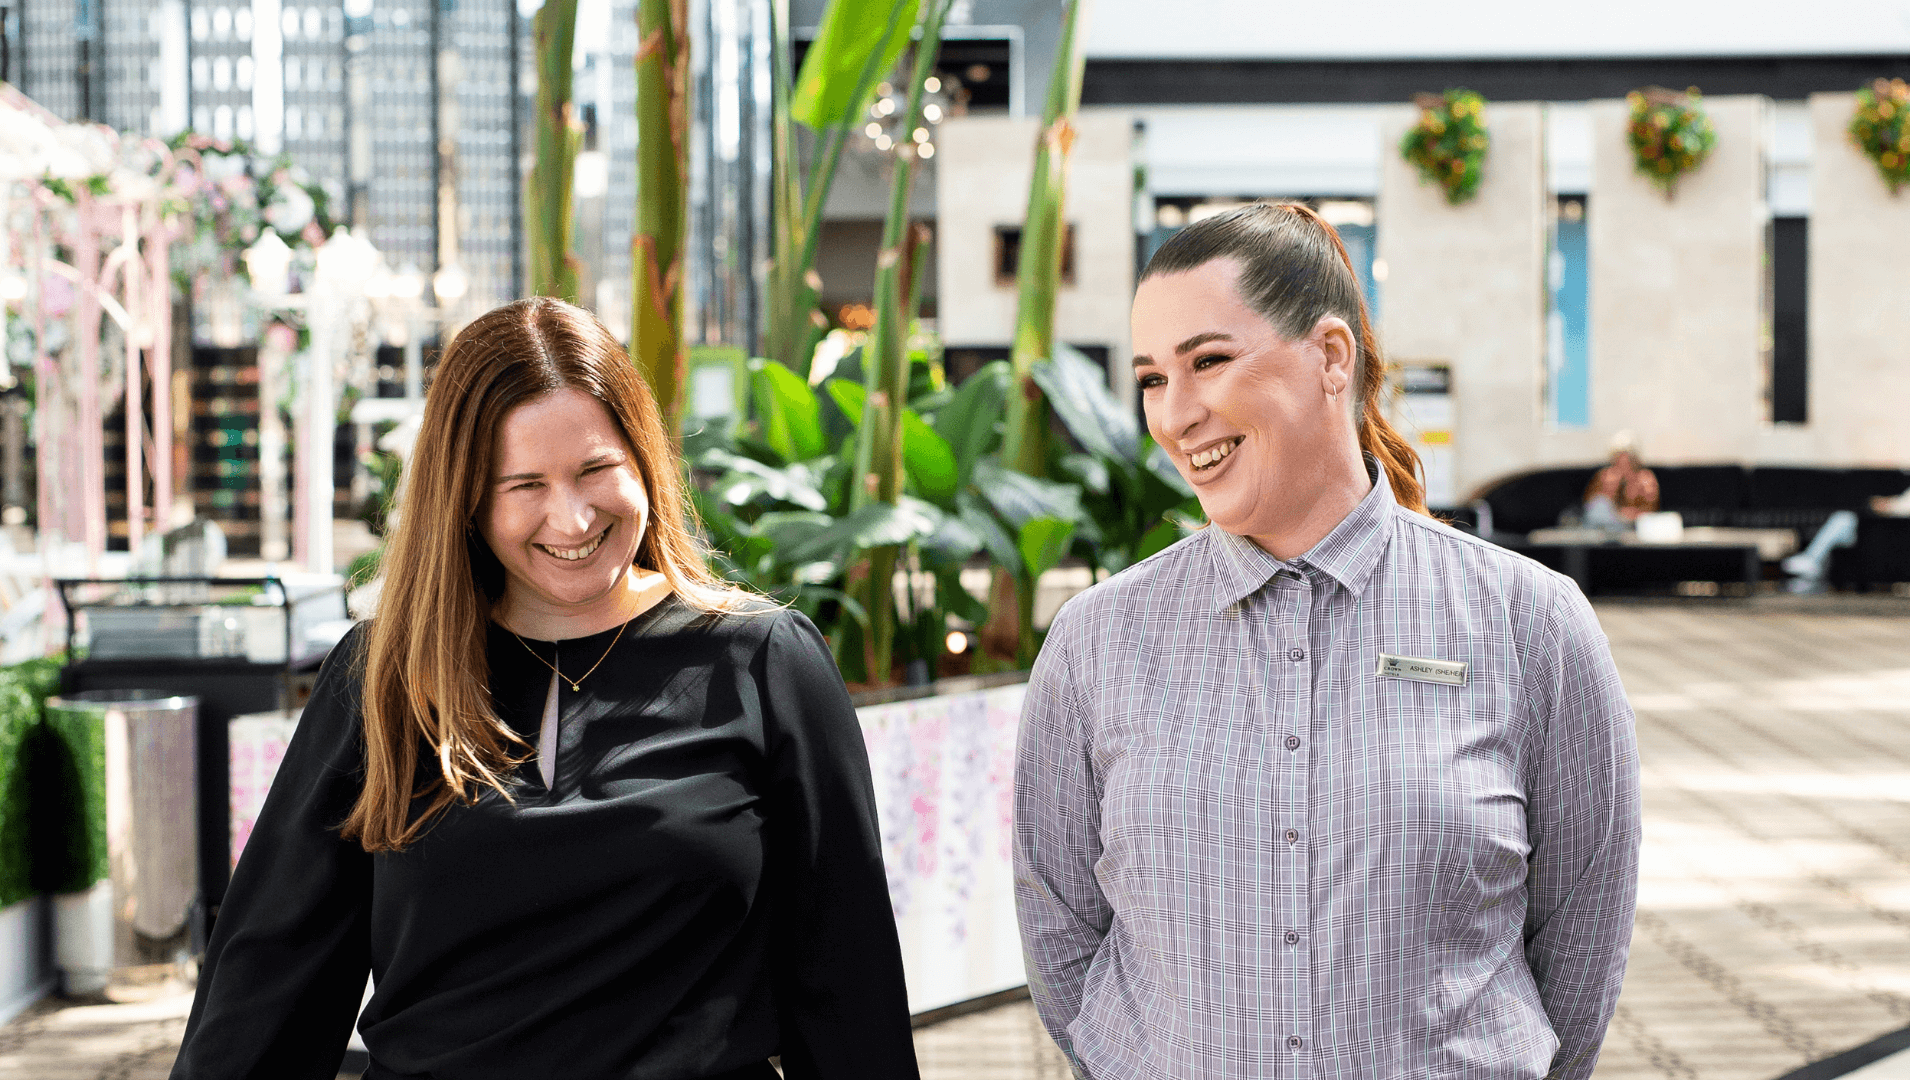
x,y
573,688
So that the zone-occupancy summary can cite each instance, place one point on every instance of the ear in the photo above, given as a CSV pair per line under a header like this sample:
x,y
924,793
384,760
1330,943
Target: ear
x,y
1338,352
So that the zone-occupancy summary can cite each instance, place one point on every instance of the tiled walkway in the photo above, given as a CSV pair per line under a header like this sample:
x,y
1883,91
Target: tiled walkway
x,y
1774,916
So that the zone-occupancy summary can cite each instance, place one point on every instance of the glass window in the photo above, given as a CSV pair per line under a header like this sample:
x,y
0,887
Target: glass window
x,y
1568,360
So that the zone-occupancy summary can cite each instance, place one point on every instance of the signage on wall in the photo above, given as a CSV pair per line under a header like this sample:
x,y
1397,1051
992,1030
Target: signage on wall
x,y
1421,407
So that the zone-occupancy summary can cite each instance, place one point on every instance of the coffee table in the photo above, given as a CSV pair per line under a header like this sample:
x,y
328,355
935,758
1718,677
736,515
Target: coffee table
x,y
1594,558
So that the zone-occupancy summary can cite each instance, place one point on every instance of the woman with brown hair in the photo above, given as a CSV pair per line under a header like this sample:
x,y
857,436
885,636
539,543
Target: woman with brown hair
x,y
579,807
1328,788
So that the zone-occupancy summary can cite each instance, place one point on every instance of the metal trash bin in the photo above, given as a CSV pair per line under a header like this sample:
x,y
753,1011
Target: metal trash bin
x,y
131,830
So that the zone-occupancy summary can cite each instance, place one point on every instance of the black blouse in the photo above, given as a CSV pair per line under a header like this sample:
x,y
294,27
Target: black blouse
x,y
701,888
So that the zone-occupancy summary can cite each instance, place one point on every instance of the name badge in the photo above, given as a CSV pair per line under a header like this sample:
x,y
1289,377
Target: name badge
x,y
1447,672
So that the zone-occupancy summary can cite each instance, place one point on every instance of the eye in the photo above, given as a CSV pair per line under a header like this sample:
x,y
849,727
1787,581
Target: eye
x,y
1150,381
1202,363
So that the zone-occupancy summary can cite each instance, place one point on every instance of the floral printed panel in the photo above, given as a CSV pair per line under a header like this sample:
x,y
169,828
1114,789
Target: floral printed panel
x,y
943,769
256,746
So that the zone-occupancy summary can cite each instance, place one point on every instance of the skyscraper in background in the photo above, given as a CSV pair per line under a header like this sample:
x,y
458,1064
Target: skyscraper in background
x,y
405,110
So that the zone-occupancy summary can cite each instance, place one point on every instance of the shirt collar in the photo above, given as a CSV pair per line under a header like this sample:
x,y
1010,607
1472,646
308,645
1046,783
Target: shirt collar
x,y
1348,554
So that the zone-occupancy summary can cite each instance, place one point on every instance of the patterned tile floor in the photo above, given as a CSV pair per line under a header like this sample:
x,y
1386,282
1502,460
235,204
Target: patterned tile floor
x,y
1774,917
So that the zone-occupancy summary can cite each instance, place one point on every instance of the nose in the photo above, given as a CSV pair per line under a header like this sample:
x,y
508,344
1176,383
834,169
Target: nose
x,y
1175,412
569,513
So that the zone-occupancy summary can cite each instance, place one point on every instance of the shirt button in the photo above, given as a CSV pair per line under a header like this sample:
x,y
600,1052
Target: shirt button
x,y
1293,742
1294,1041
1293,937
1296,654
1293,836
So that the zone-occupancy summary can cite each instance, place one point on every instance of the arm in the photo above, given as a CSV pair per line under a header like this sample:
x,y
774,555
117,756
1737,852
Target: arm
x,y
285,969
838,960
1583,824
1062,913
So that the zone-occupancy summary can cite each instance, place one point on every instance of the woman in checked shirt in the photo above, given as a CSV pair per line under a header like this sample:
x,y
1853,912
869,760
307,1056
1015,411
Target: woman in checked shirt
x,y
1328,789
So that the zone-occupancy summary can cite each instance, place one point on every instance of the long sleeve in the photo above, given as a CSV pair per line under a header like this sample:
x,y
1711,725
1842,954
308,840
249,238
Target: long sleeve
x,y
836,956
286,965
1058,903
1584,826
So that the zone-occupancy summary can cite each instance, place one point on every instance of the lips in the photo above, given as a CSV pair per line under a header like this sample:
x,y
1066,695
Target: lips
x,y
575,554
1214,455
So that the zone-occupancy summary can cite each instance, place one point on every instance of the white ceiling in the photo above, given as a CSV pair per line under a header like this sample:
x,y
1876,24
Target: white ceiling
x,y
1397,29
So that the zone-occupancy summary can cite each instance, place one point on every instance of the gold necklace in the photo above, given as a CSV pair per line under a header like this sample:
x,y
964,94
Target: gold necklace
x,y
574,686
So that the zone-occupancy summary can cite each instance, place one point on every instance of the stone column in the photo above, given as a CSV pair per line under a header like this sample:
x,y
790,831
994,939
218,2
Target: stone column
x,y
1678,330
1859,411
1465,286
983,165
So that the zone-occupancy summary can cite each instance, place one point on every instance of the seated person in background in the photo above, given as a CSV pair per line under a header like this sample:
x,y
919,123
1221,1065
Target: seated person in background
x,y
1807,567
1621,491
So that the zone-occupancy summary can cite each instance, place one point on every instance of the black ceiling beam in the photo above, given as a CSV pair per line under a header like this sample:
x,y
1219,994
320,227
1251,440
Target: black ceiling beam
x,y
1285,82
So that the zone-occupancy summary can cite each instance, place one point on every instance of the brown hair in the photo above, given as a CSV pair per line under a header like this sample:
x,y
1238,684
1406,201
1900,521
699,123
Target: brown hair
x,y
425,673
1294,271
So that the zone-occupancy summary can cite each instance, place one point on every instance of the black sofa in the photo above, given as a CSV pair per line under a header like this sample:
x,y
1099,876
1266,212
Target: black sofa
x,y
1761,496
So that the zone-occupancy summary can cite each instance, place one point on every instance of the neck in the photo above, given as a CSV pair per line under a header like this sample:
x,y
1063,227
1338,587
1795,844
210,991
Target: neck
x,y
523,612
1343,483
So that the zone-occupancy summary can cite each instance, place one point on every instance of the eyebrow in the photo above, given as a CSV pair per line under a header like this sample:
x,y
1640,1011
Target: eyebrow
x,y
600,459
1192,343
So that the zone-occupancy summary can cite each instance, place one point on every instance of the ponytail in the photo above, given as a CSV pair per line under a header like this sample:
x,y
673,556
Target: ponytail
x,y
1294,272
1378,439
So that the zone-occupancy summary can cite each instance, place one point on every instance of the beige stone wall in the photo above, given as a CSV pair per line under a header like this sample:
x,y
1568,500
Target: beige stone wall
x,y
983,167
1859,410
1466,285
1677,295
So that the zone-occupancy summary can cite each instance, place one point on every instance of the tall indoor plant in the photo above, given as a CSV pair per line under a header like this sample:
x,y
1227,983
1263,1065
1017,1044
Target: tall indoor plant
x,y
663,199
1038,278
547,218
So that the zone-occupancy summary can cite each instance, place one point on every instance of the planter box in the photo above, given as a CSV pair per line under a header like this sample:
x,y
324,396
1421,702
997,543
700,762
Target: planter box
x,y
943,760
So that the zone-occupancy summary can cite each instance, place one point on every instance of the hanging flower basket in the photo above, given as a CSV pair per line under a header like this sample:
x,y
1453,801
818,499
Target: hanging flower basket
x,y
1881,129
1449,142
1670,134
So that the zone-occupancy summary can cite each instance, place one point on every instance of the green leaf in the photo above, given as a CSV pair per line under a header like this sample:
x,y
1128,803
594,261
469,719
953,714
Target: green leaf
x,y
848,397
875,525
744,479
787,529
972,421
1077,390
1089,471
1042,543
926,456
1157,539
1020,499
790,414
953,541
995,540
957,601
851,33
1158,463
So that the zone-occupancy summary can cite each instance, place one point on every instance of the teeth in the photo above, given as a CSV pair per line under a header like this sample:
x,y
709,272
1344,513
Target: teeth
x,y
573,554
1207,458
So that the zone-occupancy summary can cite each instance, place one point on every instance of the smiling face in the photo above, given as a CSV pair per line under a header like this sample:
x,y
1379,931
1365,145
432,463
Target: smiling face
x,y
565,510
1259,425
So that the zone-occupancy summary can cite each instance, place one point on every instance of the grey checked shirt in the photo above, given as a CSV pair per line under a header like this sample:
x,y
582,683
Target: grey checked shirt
x,y
1239,853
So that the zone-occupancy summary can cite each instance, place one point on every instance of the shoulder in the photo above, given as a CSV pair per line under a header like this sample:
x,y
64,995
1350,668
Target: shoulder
x,y
1170,581
1495,571
755,631
1482,582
